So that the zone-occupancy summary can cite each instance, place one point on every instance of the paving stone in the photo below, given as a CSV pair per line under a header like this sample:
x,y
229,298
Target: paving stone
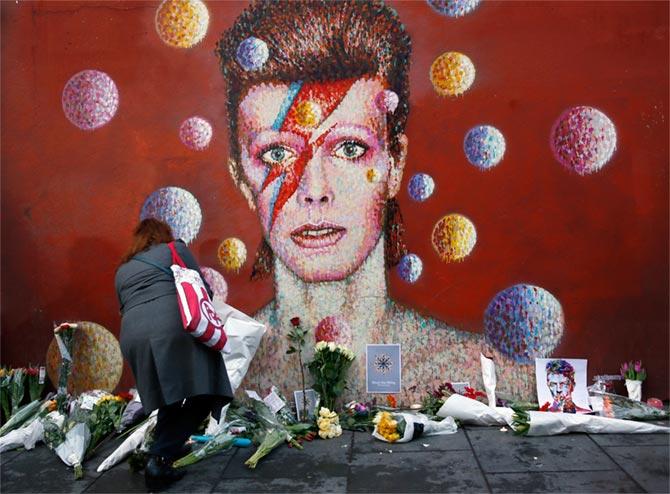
x,y
365,443
430,471
200,477
8,456
204,475
598,481
40,470
319,458
505,452
118,479
631,439
648,465
313,485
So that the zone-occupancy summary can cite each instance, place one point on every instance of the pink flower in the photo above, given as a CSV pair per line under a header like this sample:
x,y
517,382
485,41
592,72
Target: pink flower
x,y
638,366
624,369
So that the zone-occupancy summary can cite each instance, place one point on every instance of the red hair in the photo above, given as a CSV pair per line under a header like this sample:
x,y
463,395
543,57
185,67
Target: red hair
x,y
149,232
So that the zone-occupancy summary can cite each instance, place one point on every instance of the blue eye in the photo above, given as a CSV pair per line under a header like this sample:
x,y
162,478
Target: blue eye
x,y
350,150
277,155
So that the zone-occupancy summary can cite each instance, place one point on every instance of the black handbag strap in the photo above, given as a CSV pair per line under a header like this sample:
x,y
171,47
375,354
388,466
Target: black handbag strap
x,y
162,268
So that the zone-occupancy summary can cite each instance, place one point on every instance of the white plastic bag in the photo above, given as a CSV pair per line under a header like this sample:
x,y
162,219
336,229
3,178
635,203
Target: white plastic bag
x,y
473,412
26,437
244,337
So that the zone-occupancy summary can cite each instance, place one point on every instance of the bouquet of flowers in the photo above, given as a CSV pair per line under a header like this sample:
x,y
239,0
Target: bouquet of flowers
x,y
5,393
436,398
18,388
621,407
403,427
64,334
270,433
69,438
138,437
104,419
633,371
532,423
223,440
329,370
23,415
357,417
474,412
35,379
329,424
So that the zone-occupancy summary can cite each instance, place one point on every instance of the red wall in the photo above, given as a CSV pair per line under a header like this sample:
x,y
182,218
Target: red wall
x,y
598,243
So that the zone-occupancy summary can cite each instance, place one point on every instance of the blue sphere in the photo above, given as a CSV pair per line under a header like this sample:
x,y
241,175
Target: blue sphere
x,y
410,268
453,8
178,208
421,187
252,53
524,322
484,146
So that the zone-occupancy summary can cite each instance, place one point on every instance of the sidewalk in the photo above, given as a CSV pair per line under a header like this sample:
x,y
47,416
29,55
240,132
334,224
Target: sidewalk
x,y
476,459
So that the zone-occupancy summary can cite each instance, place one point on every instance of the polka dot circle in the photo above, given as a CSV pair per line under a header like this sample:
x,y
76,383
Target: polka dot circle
x,y
195,133
484,146
387,101
252,53
232,254
178,208
453,8
182,23
420,187
335,329
454,237
97,362
90,99
372,175
216,282
308,114
524,322
452,74
410,268
583,139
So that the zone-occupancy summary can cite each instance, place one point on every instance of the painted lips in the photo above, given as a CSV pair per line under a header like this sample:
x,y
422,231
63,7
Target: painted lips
x,y
312,236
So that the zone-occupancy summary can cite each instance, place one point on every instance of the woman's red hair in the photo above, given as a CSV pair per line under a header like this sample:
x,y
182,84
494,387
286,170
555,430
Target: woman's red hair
x,y
149,232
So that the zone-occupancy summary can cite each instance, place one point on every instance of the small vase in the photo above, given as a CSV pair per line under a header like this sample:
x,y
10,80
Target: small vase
x,y
634,388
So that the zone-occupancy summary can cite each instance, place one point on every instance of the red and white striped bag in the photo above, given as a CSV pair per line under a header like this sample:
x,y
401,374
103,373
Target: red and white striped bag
x,y
197,312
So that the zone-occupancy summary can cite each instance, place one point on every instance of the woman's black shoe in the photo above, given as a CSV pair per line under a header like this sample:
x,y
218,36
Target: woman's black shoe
x,y
159,473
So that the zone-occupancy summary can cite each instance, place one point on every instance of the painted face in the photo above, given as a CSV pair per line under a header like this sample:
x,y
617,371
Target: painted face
x,y
560,386
318,172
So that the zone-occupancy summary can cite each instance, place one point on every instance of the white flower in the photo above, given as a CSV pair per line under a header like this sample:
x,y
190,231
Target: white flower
x,y
331,346
320,346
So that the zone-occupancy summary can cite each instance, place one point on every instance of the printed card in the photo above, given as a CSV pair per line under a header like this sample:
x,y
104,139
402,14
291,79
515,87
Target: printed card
x,y
383,368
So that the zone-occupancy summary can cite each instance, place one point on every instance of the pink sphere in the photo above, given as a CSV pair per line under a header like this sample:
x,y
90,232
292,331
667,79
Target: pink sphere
x,y
216,282
195,133
90,99
583,139
335,329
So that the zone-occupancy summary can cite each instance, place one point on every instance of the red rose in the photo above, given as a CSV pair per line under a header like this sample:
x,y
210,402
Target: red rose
x,y
295,321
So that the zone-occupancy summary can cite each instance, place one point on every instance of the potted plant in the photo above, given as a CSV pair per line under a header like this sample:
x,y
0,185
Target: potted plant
x,y
634,374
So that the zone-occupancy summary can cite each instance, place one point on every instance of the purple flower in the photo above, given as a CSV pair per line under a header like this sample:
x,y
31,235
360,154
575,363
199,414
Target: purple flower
x,y
638,366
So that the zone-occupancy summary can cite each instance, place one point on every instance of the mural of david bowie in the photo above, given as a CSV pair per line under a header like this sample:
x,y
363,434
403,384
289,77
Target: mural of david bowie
x,y
317,99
